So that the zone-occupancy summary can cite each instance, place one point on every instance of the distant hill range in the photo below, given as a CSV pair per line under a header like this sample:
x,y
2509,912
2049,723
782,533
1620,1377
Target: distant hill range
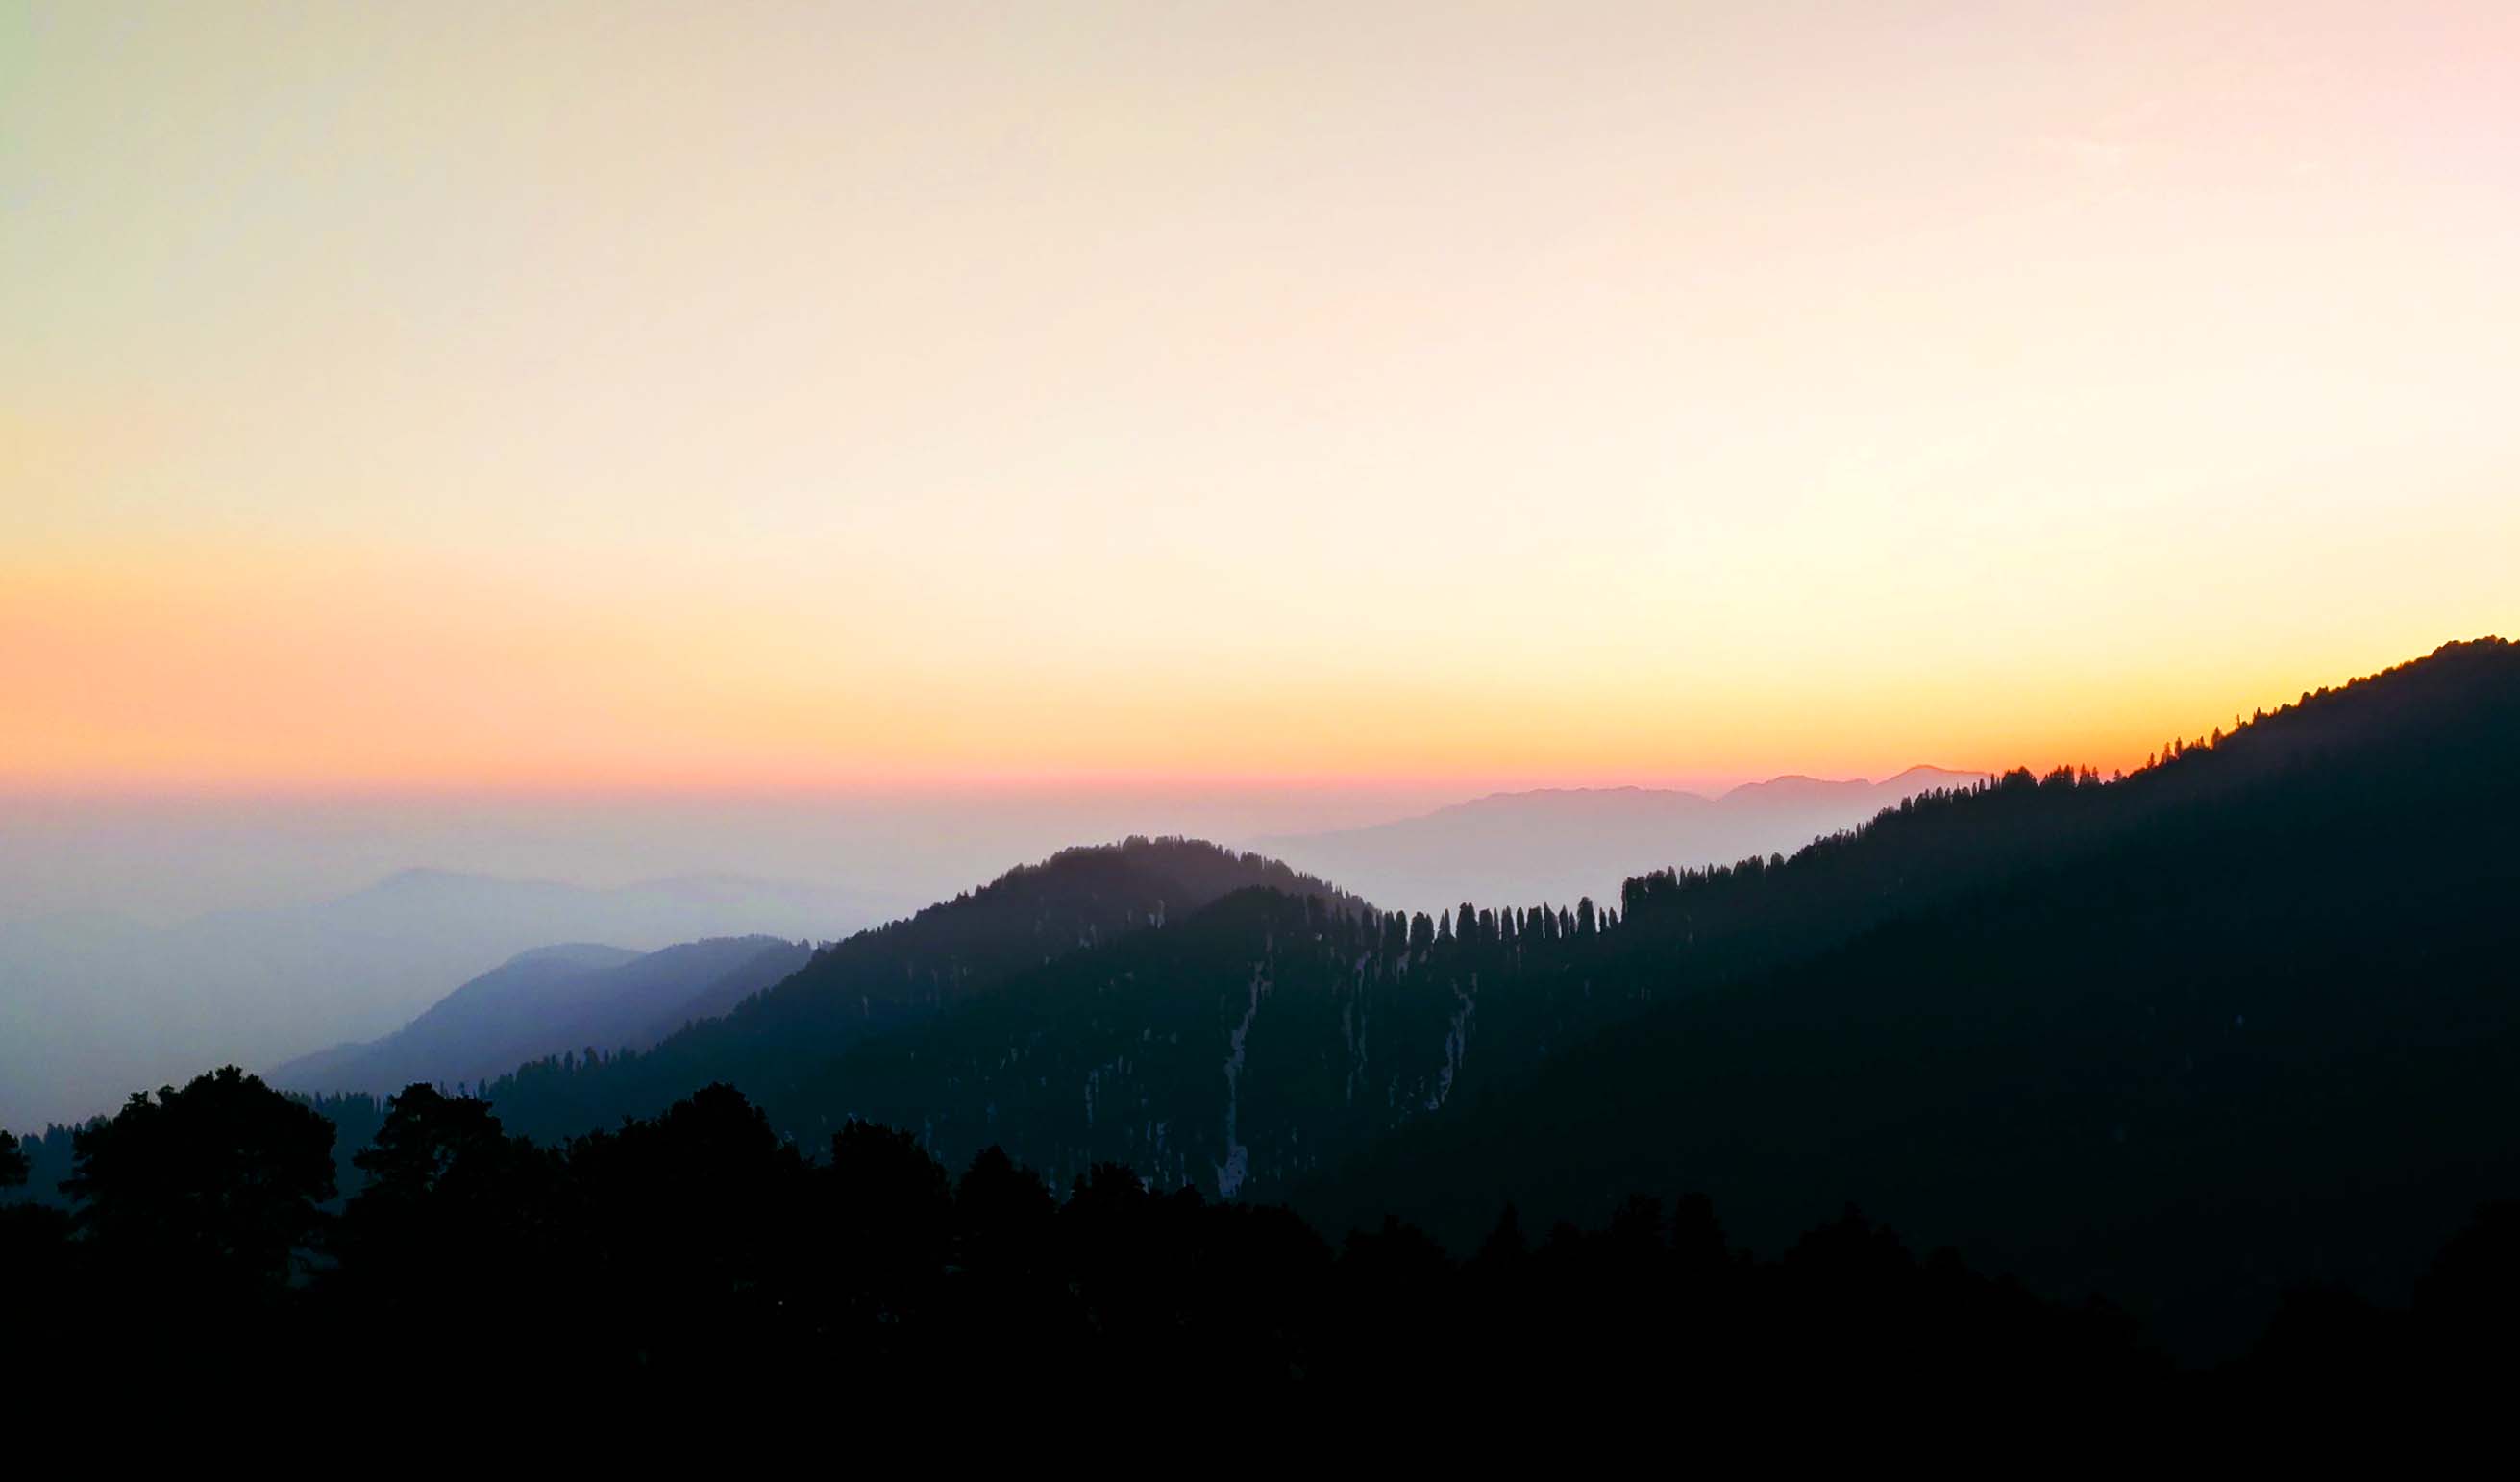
x,y
573,998
1562,844
93,1007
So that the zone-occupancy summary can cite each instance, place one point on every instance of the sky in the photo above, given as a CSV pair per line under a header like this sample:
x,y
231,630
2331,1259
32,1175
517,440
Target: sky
x,y
575,400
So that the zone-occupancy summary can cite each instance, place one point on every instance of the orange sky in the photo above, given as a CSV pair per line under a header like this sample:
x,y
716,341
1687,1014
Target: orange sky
x,y
647,398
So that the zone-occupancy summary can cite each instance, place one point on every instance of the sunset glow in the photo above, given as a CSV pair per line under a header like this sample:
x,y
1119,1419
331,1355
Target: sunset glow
x,y
871,395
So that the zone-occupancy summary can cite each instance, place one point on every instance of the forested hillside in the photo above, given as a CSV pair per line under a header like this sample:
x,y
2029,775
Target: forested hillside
x,y
2247,1020
1249,1047
893,976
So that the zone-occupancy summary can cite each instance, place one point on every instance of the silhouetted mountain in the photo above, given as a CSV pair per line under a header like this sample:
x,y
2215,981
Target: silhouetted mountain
x,y
1563,844
345,1066
2247,1020
894,976
2241,1021
96,1007
548,1000
2119,1036
1246,1046
1263,1039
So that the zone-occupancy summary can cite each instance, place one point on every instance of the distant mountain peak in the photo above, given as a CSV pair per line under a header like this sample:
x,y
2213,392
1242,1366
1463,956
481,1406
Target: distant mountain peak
x,y
1913,779
1558,844
1630,792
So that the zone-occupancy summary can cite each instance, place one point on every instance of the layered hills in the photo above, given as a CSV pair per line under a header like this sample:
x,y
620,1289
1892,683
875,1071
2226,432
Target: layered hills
x,y
1562,844
551,1000
2241,1020
2238,1020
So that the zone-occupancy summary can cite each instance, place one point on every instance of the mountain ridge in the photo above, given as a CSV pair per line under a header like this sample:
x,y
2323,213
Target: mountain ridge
x,y
2237,1021
546,1000
898,974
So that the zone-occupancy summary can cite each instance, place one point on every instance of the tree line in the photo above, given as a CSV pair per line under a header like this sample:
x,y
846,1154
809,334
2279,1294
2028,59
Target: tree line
x,y
699,1248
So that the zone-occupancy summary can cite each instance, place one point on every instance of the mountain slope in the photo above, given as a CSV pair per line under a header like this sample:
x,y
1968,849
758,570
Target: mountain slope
x,y
1266,1038
1563,844
2246,1019
2274,968
551,999
1338,1023
365,1066
1261,1040
896,975
641,1003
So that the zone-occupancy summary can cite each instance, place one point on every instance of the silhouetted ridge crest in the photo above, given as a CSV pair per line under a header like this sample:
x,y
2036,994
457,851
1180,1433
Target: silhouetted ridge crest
x,y
900,973
2421,714
1079,896
1562,844
2248,1016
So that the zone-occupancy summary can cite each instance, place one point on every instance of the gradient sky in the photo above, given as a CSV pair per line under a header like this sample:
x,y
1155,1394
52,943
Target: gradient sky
x,y
568,396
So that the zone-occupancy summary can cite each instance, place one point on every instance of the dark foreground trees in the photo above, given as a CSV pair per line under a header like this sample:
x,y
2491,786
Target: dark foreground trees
x,y
193,1226
699,1251
206,1192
